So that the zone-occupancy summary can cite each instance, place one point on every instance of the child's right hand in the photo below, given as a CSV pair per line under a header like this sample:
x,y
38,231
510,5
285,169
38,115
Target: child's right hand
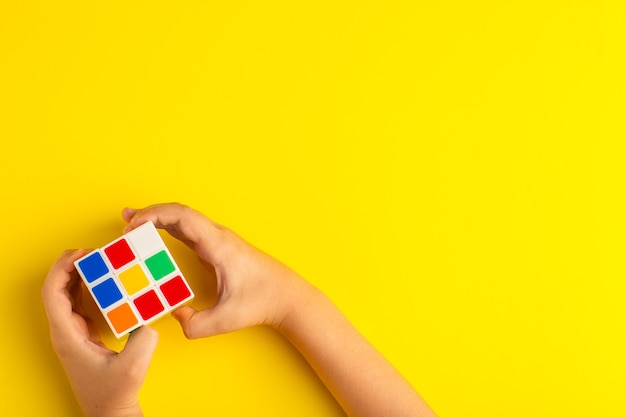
x,y
253,288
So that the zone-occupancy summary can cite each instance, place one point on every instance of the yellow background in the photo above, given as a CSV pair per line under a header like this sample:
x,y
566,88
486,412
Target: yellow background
x,y
450,173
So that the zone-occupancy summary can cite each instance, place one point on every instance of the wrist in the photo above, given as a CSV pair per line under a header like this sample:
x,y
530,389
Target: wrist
x,y
302,300
116,413
113,411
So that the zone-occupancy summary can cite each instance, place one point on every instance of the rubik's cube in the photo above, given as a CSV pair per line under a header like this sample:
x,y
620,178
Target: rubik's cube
x,y
134,279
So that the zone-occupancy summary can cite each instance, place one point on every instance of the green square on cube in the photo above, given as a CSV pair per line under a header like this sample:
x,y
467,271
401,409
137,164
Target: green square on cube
x,y
160,265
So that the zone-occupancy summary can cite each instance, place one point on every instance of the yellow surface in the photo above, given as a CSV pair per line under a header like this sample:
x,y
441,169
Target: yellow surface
x,y
450,173
133,279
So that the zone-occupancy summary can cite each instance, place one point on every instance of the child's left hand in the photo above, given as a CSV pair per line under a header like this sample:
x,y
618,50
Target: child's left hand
x,y
106,383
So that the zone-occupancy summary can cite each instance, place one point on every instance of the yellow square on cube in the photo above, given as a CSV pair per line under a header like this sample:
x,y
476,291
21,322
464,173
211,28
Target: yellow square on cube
x,y
134,279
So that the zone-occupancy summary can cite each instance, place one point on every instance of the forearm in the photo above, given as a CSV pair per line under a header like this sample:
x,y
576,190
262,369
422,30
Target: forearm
x,y
359,377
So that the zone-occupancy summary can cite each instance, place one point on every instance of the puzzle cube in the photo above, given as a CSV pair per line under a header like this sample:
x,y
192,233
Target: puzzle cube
x,y
134,279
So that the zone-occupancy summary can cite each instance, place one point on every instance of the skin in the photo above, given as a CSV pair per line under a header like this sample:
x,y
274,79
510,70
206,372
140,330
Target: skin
x,y
253,289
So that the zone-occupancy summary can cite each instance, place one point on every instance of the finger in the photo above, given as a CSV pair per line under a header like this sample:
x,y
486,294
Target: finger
x,y
75,292
191,227
139,349
128,213
59,274
204,323
55,290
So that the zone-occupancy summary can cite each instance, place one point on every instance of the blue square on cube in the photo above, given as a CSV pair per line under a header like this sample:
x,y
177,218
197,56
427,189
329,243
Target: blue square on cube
x,y
107,293
93,267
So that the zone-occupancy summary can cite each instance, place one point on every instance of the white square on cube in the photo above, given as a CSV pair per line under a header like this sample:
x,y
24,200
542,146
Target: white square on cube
x,y
145,240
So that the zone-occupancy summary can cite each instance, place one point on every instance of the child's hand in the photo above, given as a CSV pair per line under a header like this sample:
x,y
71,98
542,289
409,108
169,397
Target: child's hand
x,y
253,288
106,383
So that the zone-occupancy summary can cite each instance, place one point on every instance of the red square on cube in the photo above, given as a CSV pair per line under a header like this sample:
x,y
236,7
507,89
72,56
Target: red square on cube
x,y
175,290
119,253
148,305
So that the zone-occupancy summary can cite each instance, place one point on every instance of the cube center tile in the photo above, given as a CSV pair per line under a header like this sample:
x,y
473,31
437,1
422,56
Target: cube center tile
x,y
133,279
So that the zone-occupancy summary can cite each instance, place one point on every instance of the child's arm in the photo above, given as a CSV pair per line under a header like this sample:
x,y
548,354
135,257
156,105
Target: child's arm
x,y
105,383
359,377
254,288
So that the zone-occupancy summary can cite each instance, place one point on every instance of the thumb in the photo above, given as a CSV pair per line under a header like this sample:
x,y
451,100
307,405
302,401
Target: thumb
x,y
203,323
139,349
